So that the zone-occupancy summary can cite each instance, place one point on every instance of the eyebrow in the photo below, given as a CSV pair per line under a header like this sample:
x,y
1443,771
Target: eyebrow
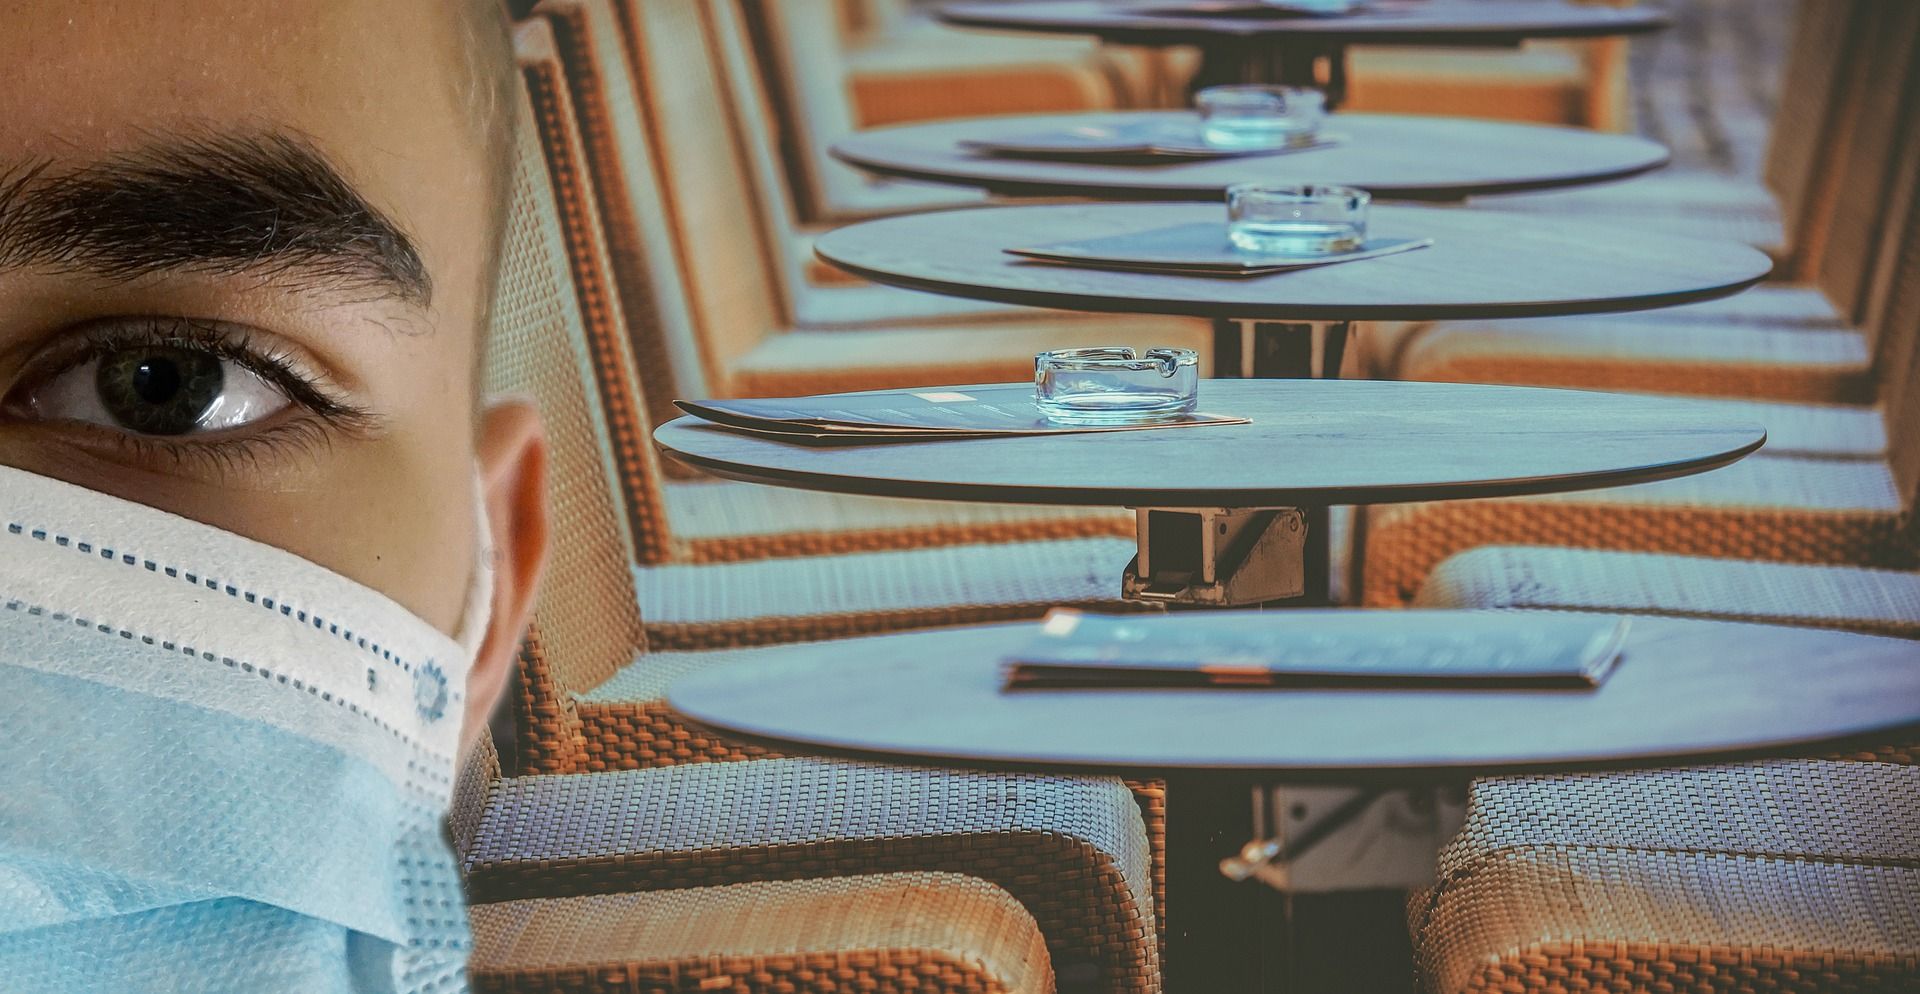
x,y
265,204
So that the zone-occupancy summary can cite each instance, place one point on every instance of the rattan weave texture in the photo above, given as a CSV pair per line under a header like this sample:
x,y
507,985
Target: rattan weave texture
x,y
1780,876
1072,850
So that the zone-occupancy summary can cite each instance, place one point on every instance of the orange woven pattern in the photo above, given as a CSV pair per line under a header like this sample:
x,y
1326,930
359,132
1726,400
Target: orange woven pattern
x,y
587,617
1405,542
1072,850
916,933
1783,876
646,734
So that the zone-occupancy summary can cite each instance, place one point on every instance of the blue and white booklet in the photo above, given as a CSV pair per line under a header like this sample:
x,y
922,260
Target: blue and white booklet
x,y
1377,649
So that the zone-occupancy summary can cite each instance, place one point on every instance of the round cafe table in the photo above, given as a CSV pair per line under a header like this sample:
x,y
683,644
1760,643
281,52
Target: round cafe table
x,y
1240,42
1233,514
1399,157
935,697
1295,323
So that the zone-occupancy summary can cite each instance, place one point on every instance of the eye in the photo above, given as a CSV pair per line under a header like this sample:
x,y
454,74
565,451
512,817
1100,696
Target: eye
x,y
157,389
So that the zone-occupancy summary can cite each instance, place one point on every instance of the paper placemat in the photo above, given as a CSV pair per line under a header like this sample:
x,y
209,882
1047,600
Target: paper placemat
x,y
907,416
1198,249
1131,142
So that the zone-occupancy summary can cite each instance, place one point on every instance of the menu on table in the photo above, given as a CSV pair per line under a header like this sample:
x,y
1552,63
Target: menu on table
x,y
1199,248
1377,649
933,414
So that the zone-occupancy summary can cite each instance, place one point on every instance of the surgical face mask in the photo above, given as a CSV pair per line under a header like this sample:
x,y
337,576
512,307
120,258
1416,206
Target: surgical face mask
x,y
225,768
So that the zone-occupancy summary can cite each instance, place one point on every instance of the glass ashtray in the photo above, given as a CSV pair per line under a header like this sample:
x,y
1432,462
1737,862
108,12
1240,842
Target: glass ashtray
x,y
1255,117
1116,386
1296,220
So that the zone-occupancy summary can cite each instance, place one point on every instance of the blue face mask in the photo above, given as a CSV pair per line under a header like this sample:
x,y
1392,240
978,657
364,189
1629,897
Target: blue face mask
x,y
225,768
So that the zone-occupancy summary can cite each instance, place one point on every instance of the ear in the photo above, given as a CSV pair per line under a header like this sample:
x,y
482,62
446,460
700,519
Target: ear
x,y
512,453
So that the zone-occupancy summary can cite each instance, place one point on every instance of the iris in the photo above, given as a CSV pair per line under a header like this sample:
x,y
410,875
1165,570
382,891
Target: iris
x,y
159,390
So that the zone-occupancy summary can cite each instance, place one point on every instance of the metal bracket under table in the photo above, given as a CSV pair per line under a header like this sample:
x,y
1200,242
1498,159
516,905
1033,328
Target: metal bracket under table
x,y
1217,556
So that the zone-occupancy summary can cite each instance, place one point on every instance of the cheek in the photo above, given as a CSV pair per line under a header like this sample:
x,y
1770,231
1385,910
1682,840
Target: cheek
x,y
396,517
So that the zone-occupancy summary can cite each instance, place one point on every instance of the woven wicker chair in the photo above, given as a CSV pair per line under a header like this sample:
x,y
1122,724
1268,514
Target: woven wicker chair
x,y
589,628
1872,600
900,933
1835,511
1780,876
904,67
759,328
798,49
1876,601
1835,243
922,578
1544,82
1812,100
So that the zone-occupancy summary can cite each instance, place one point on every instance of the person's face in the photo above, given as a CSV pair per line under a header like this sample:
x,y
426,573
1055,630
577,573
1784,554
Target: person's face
x,y
242,266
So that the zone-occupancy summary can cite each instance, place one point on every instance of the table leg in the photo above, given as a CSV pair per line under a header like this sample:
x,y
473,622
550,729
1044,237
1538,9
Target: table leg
x,y
1277,350
1218,930
1278,63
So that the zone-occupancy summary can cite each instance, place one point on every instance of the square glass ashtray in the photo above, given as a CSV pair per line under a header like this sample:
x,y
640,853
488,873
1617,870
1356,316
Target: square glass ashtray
x,y
1116,385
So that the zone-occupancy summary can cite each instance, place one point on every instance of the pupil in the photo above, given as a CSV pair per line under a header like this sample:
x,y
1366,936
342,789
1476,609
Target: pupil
x,y
159,390
156,380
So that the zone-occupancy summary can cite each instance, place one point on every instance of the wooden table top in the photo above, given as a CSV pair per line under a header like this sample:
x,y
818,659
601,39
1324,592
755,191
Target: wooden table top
x,y
1483,264
1415,22
1310,443
1683,692
1395,156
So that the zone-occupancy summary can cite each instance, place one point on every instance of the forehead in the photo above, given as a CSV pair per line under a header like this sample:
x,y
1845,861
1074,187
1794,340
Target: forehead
x,y
377,86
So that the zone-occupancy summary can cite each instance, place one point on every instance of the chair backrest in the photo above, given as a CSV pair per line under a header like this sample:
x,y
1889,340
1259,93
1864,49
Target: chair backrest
x,y
799,57
797,45
642,258
1864,171
1812,117
1895,310
555,339
710,192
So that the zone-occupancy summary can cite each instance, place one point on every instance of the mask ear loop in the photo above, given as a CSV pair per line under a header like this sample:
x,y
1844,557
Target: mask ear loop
x,y
474,617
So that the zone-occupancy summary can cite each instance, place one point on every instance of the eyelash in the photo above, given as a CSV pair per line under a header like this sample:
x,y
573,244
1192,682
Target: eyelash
x,y
324,415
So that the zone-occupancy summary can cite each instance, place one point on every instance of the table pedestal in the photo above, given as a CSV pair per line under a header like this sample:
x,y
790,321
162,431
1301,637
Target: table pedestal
x,y
1276,350
1232,842
1221,557
1278,63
